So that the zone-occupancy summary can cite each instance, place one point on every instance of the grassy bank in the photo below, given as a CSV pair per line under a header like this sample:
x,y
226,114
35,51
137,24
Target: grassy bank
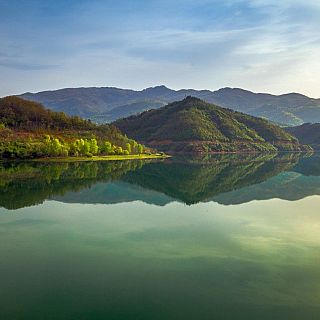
x,y
104,158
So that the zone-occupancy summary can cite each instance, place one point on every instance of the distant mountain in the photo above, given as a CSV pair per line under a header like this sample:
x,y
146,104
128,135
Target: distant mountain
x,y
109,104
126,110
193,125
307,133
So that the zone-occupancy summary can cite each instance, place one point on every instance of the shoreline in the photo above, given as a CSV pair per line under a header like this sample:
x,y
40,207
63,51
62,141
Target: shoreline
x,y
148,156
243,152
101,158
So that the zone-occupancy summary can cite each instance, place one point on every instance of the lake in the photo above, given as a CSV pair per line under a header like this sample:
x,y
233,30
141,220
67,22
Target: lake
x,y
217,237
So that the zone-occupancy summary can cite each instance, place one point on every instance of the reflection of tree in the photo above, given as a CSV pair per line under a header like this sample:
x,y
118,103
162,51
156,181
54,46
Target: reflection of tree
x,y
24,184
198,180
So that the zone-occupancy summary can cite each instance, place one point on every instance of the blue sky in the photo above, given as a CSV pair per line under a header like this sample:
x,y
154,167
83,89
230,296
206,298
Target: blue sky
x,y
261,45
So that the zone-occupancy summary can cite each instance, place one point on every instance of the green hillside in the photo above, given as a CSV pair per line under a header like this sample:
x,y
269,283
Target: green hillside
x,y
28,130
192,125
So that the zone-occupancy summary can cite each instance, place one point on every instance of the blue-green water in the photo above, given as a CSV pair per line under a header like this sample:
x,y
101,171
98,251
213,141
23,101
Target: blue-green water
x,y
228,237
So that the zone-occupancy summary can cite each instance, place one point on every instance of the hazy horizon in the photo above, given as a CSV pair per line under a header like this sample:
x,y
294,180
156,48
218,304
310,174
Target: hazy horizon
x,y
263,46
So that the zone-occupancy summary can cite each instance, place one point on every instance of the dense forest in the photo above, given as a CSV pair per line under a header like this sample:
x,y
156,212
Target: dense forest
x,y
28,130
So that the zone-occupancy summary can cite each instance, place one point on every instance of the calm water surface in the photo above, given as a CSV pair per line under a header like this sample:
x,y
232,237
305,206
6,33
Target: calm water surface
x,y
226,237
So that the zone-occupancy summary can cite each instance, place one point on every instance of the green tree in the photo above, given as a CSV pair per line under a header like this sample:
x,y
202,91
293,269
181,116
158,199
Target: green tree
x,y
56,147
128,147
134,146
84,147
46,145
106,148
94,149
119,150
74,148
140,148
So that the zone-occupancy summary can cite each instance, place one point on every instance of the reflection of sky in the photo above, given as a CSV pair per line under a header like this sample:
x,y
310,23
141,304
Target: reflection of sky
x,y
262,45
262,253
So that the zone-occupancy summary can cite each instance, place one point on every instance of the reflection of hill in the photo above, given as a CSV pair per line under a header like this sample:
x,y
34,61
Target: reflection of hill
x,y
115,192
227,179
196,181
287,185
25,184
309,166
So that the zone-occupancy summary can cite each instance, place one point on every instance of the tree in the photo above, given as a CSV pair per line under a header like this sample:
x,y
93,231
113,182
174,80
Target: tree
x,y
64,152
134,146
56,147
119,150
46,146
94,146
106,148
84,147
128,147
140,148
74,148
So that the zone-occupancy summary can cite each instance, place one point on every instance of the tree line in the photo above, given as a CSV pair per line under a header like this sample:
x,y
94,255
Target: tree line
x,y
51,146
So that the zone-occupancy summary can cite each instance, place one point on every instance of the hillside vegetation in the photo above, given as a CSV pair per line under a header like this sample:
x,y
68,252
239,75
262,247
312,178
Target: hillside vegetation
x,y
192,125
109,104
28,130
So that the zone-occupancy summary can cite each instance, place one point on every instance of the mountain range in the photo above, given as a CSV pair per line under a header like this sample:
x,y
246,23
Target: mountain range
x,y
106,104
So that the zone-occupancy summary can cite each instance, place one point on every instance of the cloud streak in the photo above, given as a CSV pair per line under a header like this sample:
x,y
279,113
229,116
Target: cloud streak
x,y
25,66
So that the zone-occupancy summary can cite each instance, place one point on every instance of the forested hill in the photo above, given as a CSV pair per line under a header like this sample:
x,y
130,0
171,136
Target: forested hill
x,y
27,130
192,125
107,104
18,113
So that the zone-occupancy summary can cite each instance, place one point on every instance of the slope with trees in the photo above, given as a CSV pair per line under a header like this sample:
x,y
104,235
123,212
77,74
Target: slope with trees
x,y
28,130
192,125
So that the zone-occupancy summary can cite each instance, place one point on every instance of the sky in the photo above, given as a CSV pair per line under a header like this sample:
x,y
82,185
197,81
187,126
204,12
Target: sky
x,y
260,45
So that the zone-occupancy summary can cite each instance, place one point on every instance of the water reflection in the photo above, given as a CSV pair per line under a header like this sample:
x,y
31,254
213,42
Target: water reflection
x,y
227,179
30,183
258,260
70,260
